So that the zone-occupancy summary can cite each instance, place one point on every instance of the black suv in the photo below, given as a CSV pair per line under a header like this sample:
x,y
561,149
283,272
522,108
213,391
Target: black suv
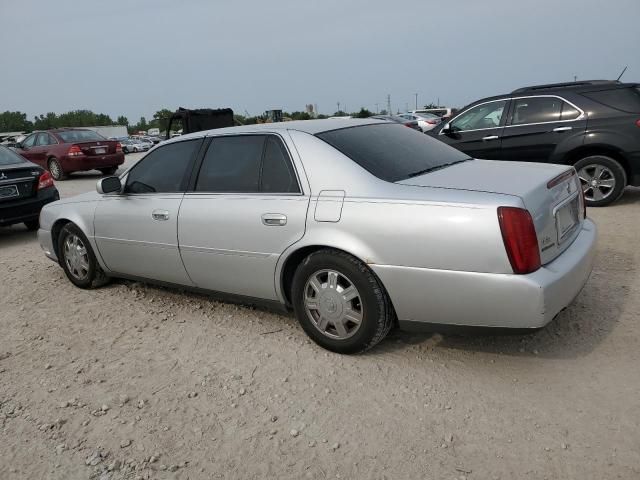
x,y
592,125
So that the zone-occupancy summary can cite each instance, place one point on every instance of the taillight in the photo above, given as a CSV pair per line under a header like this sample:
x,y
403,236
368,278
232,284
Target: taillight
x,y
408,124
520,240
432,122
74,151
45,181
118,147
638,123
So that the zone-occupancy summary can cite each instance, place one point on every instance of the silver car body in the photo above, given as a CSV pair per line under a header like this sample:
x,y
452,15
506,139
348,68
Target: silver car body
x,y
434,240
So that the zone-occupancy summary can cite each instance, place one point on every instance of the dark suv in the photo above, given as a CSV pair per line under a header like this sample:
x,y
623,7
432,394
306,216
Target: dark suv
x,y
592,125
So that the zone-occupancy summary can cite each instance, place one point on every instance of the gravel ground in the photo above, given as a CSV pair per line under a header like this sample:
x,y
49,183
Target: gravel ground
x,y
134,381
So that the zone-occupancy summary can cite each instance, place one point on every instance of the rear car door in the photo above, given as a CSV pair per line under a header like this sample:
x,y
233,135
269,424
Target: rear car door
x,y
246,207
478,131
537,125
136,231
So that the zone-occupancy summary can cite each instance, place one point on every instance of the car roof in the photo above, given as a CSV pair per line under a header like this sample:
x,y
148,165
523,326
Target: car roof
x,y
312,127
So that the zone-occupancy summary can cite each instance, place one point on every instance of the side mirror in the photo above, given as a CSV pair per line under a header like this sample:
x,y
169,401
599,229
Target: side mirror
x,y
109,185
446,128
18,145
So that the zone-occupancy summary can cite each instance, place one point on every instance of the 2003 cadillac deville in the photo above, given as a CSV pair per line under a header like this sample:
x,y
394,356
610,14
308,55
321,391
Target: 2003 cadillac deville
x,y
356,225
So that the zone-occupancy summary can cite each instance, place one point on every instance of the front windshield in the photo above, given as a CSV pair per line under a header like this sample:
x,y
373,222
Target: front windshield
x,y
392,152
9,157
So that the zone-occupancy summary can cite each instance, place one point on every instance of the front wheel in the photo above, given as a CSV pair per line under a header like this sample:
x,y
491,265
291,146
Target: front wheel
x,y
78,260
603,179
340,303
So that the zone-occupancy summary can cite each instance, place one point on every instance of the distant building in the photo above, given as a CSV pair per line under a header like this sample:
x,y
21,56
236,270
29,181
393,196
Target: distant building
x,y
115,131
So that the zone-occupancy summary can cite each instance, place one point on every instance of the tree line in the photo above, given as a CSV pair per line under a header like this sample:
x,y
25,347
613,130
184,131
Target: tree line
x,y
18,121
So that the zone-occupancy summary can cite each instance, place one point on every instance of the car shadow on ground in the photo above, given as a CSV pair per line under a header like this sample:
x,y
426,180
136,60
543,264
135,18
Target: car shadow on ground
x,y
630,196
575,332
15,235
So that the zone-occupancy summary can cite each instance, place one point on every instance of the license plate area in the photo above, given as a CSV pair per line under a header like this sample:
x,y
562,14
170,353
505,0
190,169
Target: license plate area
x,y
9,191
567,218
100,150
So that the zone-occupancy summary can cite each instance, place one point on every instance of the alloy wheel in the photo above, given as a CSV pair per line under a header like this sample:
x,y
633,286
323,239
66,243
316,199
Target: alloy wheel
x,y
332,303
76,257
597,182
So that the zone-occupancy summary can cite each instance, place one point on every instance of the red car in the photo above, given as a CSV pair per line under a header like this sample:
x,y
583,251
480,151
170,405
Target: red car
x,y
66,150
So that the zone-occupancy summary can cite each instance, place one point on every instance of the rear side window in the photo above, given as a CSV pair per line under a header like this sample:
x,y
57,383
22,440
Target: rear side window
x,y
391,151
247,164
623,99
163,170
536,110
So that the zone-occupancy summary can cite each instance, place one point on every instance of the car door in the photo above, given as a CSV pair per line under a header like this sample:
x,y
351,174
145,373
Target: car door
x,y
136,231
38,153
537,124
477,131
26,147
247,206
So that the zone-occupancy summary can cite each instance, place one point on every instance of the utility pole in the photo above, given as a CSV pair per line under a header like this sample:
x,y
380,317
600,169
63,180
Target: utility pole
x,y
416,95
575,78
376,108
389,105
338,103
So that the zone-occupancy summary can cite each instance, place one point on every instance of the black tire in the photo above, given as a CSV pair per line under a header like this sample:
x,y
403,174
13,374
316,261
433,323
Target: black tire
x,y
125,150
56,169
94,277
109,170
32,225
377,312
613,173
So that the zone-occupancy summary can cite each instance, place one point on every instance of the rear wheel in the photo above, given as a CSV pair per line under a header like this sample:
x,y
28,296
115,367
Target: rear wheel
x,y
340,303
109,170
78,260
603,179
56,169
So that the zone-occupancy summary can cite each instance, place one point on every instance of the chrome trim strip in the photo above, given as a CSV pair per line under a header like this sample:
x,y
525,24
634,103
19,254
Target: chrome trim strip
x,y
221,251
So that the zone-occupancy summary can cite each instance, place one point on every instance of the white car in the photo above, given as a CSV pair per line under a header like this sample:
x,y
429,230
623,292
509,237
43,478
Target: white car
x,y
426,121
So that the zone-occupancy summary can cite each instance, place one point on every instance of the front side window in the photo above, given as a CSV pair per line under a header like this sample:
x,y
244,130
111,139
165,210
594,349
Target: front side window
x,y
164,170
247,164
487,115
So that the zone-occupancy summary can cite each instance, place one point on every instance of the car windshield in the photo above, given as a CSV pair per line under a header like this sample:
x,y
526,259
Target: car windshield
x,y
9,157
392,152
71,136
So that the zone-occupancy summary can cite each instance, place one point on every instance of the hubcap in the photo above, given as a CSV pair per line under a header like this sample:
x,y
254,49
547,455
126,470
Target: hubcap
x,y
54,169
597,182
76,257
333,304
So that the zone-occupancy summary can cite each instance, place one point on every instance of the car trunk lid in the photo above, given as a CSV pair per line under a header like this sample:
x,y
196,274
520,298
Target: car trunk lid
x,y
18,182
96,148
551,194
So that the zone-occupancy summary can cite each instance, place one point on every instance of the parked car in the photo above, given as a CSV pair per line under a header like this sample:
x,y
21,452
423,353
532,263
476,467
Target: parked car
x,y
24,189
426,121
407,122
66,150
592,125
133,145
353,224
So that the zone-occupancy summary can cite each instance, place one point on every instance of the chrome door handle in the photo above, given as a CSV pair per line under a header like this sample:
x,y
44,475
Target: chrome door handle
x,y
160,215
274,219
562,129
490,137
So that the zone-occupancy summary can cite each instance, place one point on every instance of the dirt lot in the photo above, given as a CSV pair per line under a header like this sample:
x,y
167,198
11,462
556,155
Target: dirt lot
x,y
133,381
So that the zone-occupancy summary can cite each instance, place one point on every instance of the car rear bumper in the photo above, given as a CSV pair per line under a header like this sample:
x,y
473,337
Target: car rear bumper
x,y
83,163
28,208
445,297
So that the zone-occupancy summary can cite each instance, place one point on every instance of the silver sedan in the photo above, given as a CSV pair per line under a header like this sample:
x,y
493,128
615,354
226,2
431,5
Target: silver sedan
x,y
355,225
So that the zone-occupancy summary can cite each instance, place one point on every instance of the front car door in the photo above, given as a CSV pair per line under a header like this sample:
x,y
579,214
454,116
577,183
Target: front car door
x,y
136,231
40,149
27,145
478,130
537,124
246,207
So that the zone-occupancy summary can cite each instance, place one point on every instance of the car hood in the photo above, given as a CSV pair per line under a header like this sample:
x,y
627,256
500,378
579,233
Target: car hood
x,y
491,176
83,197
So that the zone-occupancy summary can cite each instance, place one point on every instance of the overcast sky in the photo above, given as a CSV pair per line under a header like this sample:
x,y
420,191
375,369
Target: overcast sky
x,y
134,57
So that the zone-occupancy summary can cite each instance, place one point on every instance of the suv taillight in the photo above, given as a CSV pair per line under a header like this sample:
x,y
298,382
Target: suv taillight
x,y
520,239
118,147
45,181
638,123
74,151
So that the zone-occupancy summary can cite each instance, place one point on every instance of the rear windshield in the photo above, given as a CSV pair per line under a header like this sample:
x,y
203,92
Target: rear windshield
x,y
71,136
392,152
624,99
9,157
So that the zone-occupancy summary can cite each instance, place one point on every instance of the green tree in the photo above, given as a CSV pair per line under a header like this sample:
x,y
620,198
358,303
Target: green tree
x,y
161,119
363,113
14,122
123,121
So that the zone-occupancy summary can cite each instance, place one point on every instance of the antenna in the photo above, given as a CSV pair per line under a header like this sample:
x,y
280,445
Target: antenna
x,y
624,70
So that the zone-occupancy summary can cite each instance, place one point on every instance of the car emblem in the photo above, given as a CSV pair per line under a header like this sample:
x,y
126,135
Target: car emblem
x,y
98,143
3,176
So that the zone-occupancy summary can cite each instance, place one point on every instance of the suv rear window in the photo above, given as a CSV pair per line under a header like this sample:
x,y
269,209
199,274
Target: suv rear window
x,y
392,152
71,136
624,99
